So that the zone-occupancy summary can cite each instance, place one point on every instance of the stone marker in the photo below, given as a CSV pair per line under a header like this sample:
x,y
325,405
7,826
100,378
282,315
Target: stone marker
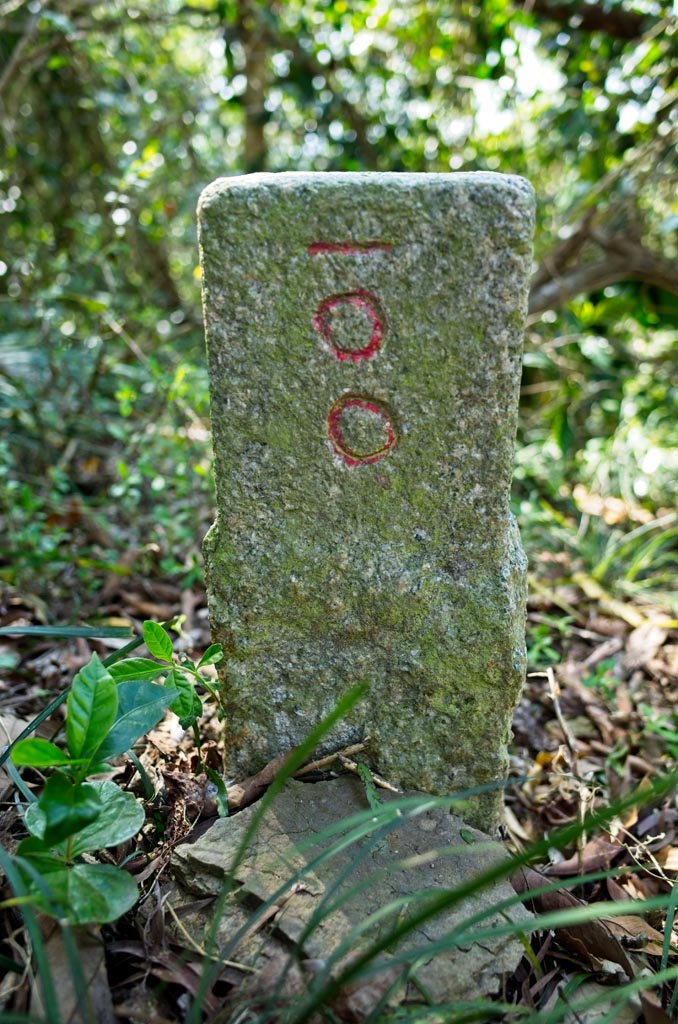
x,y
364,335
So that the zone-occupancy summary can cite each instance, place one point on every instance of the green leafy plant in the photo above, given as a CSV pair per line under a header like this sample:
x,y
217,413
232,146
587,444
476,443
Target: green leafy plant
x,y
665,726
108,708
603,679
387,939
540,649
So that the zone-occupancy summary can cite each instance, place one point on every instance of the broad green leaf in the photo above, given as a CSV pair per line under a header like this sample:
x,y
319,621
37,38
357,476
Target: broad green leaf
x,y
40,854
99,893
158,641
140,707
89,302
184,706
91,708
211,656
120,818
67,807
186,721
85,893
136,668
59,20
38,753
96,767
58,61
222,792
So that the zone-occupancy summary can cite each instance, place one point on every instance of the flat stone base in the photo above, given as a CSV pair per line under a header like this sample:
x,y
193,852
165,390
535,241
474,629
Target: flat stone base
x,y
433,851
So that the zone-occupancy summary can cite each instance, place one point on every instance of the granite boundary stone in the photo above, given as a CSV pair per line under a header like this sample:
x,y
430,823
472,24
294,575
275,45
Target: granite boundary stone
x,y
364,336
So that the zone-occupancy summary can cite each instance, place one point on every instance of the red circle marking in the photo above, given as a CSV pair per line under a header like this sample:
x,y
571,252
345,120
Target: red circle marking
x,y
351,457
363,300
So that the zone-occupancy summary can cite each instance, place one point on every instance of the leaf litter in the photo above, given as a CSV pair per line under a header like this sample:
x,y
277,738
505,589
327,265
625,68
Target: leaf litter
x,y
596,720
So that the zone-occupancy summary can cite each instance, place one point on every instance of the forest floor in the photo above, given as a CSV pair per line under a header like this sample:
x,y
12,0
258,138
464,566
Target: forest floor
x,y
598,718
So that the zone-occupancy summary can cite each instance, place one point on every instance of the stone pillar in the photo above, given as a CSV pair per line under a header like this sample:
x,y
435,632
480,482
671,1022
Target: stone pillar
x,y
364,335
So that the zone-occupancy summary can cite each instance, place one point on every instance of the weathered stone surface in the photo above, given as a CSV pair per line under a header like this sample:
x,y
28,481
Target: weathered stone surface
x,y
364,335
442,854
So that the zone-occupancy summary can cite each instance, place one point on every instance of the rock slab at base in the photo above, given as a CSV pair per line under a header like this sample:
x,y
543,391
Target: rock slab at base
x,y
281,847
364,335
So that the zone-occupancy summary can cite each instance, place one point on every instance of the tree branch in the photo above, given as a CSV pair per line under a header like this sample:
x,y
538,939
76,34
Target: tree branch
x,y
17,53
311,68
592,17
625,258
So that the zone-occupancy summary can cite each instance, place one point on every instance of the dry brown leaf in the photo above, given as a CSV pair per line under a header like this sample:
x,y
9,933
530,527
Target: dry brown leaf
x,y
653,1011
569,676
611,509
592,941
149,609
596,855
636,933
359,999
515,828
642,645
668,858
96,998
170,967
185,798
614,890
10,728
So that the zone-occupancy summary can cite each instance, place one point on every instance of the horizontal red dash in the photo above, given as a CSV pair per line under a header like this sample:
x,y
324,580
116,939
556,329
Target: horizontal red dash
x,y
349,248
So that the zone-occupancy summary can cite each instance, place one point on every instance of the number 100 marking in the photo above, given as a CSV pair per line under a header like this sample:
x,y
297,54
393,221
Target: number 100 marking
x,y
351,405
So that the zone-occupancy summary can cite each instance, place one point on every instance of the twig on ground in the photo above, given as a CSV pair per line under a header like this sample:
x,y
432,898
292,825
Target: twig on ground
x,y
323,762
352,766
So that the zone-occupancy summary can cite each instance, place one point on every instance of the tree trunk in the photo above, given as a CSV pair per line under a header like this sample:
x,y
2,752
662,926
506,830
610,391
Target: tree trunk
x,y
253,42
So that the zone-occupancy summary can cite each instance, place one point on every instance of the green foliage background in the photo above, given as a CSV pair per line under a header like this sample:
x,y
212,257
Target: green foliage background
x,y
115,117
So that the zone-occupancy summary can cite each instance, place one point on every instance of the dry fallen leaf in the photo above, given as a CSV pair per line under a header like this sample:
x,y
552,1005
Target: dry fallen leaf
x,y
642,645
96,997
635,933
592,941
598,854
668,858
10,728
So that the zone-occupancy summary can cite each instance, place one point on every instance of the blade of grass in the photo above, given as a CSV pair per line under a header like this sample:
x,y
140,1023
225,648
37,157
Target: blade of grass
x,y
44,974
294,761
461,928
363,964
69,632
618,548
647,554
10,965
619,996
149,792
31,798
350,830
80,986
668,926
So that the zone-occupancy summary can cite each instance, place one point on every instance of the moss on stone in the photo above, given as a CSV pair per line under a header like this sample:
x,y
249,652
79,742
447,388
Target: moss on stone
x,y
404,570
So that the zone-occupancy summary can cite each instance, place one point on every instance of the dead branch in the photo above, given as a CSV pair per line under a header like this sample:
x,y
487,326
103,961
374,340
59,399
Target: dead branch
x,y
592,17
624,258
